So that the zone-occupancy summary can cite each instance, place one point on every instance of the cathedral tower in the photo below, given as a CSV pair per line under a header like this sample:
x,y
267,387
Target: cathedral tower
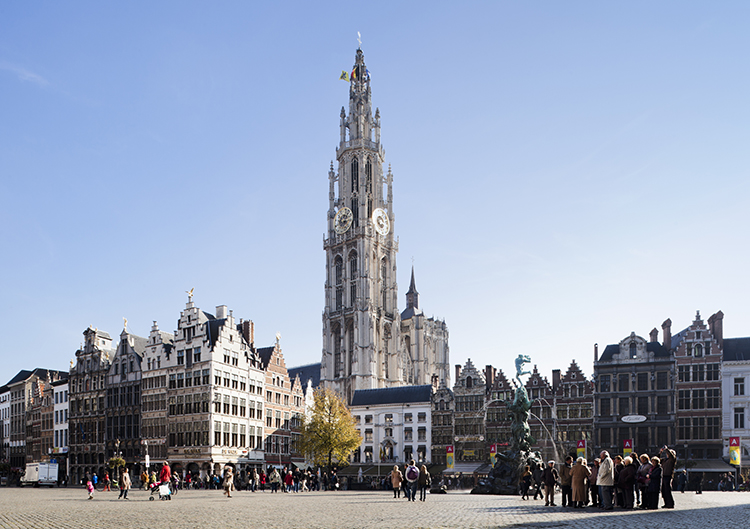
x,y
361,319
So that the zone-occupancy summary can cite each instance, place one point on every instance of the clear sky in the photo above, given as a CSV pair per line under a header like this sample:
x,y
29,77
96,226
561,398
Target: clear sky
x,y
564,172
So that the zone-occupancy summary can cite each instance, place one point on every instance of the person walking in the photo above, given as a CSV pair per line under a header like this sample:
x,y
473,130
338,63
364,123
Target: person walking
x,y
525,483
275,480
537,475
228,483
565,482
125,484
605,479
165,474
396,478
424,482
550,477
107,483
578,476
668,459
412,476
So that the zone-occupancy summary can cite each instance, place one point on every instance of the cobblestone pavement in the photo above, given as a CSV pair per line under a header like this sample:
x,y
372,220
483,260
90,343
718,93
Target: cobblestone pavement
x,y
70,509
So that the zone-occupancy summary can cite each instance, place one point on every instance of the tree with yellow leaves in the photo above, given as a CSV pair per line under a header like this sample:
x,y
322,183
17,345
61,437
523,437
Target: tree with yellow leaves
x,y
328,434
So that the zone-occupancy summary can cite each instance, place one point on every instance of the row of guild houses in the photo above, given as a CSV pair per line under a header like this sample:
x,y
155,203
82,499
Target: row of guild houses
x,y
687,392
200,398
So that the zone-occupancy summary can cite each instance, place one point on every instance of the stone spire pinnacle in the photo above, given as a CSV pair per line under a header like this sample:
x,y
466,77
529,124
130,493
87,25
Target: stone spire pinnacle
x,y
412,296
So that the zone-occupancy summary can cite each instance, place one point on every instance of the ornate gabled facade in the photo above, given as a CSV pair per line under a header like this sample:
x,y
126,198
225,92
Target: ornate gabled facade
x,y
285,408
543,415
362,344
698,354
443,411
155,366
573,397
632,378
499,392
469,393
88,373
123,412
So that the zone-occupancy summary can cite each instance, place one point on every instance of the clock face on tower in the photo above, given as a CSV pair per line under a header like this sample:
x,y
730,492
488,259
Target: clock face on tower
x,y
343,220
381,222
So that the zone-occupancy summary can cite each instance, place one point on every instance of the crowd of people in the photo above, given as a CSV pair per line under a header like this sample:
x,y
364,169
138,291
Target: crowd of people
x,y
621,482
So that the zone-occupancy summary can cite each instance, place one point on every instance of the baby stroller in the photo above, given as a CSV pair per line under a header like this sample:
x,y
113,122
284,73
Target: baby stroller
x,y
162,490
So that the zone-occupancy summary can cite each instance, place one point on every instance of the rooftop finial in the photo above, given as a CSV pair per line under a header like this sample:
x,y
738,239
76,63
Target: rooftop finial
x,y
359,39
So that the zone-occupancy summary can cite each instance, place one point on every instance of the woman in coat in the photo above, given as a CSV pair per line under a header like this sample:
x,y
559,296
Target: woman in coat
x,y
626,482
654,484
228,481
641,477
579,474
396,478
424,481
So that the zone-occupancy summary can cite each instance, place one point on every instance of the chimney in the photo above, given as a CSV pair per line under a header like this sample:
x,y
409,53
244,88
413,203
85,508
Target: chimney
x,y
248,331
666,327
555,380
221,312
489,375
596,352
654,335
458,372
716,324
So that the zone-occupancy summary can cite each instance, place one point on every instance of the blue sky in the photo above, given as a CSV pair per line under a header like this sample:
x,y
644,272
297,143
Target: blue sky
x,y
565,172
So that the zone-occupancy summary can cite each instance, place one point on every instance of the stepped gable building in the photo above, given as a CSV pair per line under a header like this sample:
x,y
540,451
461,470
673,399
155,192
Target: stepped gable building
x,y
123,411
154,365
88,394
60,443
499,392
635,378
469,394
573,399
362,343
698,352
285,408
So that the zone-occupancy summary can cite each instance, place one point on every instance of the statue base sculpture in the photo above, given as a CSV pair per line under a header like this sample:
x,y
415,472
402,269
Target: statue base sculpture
x,y
505,476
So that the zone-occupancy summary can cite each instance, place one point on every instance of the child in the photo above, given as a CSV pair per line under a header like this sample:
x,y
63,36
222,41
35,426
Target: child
x,y
90,488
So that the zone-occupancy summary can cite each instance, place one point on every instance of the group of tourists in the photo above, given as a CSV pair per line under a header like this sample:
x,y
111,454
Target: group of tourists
x,y
411,479
623,482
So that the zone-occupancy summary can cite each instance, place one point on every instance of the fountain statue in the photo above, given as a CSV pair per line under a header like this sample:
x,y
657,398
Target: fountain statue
x,y
503,478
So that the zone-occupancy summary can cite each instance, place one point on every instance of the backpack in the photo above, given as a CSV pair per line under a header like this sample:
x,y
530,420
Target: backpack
x,y
412,473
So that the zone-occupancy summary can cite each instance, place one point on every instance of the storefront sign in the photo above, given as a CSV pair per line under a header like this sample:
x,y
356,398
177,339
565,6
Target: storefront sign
x,y
449,456
627,447
493,454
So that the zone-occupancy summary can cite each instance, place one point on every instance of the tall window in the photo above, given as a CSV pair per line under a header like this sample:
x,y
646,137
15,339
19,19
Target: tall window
x,y
338,279
604,384
624,382
633,349
739,418
337,363
355,175
642,381
368,185
604,407
352,278
739,386
383,271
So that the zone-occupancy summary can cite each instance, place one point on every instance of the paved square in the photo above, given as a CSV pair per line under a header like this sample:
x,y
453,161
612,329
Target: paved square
x,y
70,509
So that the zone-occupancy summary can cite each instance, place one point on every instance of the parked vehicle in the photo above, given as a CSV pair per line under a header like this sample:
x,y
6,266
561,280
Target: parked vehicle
x,y
40,474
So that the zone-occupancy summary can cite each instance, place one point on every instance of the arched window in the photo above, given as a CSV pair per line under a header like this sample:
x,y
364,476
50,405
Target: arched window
x,y
353,265
698,350
632,350
355,175
469,382
350,345
368,177
383,272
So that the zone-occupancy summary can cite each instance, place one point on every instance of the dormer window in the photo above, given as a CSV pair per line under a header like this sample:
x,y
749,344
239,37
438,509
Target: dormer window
x,y
698,350
633,349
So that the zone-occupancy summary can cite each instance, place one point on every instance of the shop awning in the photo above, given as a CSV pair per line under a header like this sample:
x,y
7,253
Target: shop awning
x,y
709,465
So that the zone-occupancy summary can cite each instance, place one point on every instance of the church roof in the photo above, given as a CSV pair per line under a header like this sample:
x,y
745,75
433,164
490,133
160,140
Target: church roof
x,y
397,395
306,373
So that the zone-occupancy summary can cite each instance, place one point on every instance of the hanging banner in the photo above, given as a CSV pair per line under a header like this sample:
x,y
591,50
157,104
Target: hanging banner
x,y
493,454
449,456
734,451
627,447
581,448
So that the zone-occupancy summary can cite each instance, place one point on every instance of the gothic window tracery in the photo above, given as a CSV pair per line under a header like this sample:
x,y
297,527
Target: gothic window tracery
x,y
338,280
337,363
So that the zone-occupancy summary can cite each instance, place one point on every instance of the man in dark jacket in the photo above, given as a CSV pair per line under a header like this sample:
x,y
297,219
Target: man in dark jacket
x,y
538,482
550,477
668,460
